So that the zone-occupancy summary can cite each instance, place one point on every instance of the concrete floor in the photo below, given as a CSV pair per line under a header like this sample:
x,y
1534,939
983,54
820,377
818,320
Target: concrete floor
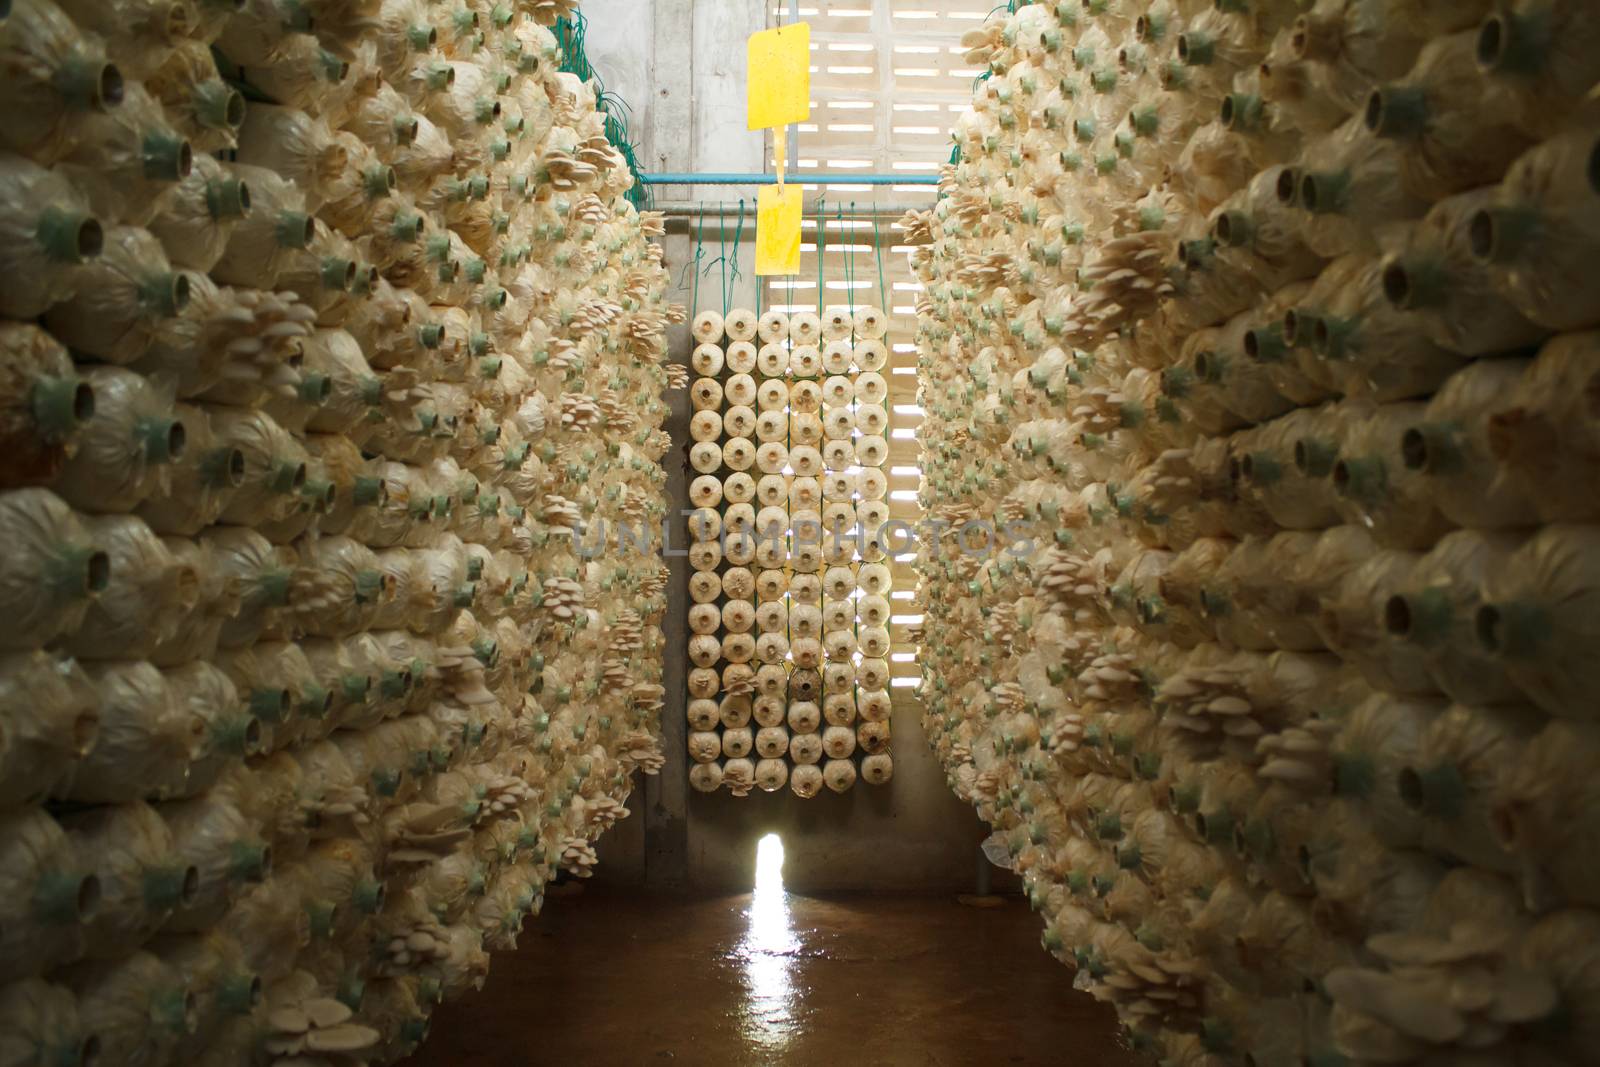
x,y
770,978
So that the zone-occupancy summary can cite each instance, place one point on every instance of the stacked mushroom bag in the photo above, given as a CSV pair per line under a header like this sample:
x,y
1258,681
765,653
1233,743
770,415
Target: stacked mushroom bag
x,y
1266,338
789,675
310,679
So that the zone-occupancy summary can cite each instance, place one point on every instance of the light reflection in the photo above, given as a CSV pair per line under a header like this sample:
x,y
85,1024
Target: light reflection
x,y
768,951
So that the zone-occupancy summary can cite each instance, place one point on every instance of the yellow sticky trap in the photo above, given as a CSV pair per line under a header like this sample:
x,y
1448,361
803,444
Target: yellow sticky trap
x,y
779,76
778,209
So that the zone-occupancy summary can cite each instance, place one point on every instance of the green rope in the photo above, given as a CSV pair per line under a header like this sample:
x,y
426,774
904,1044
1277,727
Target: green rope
x,y
738,235
877,251
699,254
849,261
822,247
722,246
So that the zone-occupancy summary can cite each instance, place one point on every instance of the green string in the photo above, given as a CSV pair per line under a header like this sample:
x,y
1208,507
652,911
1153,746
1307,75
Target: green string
x,y
699,255
849,259
877,251
738,235
822,246
722,246
571,33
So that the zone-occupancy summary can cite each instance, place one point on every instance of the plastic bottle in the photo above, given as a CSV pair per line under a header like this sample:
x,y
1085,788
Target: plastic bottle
x,y
260,246
127,157
1542,54
206,110
1543,432
124,300
1537,234
1453,134
1448,289
1536,617
54,74
43,402
1435,609
48,232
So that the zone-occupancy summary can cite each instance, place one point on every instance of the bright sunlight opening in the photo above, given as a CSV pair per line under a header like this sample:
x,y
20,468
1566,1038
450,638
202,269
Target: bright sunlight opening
x,y
768,951
769,864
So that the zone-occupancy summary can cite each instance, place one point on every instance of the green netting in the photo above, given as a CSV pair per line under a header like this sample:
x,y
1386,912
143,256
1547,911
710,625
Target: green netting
x,y
570,35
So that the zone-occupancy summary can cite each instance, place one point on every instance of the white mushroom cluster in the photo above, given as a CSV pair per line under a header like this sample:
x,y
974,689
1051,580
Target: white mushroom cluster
x,y
790,623
311,405
1264,332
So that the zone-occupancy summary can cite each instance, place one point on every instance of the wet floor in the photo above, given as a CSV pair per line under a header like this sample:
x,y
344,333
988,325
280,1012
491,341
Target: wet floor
x,y
770,978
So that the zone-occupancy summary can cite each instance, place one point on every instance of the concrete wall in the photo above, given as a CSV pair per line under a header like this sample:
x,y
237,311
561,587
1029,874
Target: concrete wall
x,y
680,65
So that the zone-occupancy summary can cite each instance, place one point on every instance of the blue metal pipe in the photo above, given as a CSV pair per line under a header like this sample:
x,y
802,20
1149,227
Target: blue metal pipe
x,y
794,178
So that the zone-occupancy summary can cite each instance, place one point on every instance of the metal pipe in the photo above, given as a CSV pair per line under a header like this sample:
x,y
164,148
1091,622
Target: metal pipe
x,y
722,210
795,178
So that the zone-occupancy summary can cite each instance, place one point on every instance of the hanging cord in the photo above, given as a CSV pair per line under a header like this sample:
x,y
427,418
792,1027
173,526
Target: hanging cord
x,y
722,241
738,236
849,258
699,255
822,247
722,245
877,251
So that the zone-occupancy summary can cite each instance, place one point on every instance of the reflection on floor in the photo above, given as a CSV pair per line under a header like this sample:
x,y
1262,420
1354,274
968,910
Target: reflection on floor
x,y
608,978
